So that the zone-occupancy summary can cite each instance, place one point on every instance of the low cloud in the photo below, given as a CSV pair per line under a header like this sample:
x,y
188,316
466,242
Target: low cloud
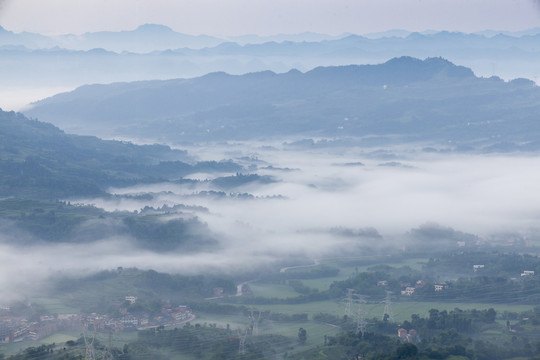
x,y
320,210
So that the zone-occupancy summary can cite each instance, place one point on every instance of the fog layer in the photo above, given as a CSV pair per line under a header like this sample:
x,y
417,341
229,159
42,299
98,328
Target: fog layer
x,y
315,193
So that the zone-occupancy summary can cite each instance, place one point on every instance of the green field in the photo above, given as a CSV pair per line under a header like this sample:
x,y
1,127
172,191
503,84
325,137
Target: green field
x,y
221,321
346,271
401,310
55,306
272,290
316,331
59,339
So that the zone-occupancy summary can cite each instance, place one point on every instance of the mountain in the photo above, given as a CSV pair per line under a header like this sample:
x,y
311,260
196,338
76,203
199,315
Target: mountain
x,y
39,161
89,58
25,39
430,99
302,37
146,38
489,33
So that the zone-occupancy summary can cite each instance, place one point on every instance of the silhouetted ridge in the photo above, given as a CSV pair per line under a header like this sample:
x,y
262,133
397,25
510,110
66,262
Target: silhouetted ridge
x,y
400,70
405,96
154,28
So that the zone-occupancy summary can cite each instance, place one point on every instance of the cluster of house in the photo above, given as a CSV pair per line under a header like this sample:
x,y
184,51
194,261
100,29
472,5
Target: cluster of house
x,y
18,328
408,289
524,273
170,315
408,336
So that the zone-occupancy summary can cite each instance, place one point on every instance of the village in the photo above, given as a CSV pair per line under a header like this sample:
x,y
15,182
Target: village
x,y
15,328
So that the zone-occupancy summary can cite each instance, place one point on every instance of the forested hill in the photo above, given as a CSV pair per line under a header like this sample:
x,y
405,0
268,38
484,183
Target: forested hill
x,y
39,161
429,99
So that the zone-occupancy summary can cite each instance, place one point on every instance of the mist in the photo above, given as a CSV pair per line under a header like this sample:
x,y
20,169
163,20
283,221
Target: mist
x,y
317,207
479,194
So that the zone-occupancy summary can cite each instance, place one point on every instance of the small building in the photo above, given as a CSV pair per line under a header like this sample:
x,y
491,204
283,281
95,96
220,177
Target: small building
x,y
527,273
420,283
181,313
476,267
439,287
246,290
218,291
408,291
132,299
382,283
410,336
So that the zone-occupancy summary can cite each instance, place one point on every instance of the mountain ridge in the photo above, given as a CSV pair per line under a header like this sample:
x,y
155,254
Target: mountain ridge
x,y
40,161
433,96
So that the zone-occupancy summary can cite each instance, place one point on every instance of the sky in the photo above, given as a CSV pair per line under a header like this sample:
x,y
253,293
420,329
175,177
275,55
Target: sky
x,y
268,17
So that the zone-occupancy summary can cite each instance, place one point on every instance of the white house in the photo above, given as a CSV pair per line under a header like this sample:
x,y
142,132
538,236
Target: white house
x,y
476,267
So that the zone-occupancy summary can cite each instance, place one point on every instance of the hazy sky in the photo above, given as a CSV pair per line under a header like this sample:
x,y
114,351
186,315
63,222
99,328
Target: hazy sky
x,y
265,17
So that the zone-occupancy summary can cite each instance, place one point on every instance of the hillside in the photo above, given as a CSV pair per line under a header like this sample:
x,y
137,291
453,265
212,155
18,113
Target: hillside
x,y
407,98
39,161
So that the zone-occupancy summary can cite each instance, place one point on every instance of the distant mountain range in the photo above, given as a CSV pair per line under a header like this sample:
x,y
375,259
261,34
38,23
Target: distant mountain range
x,y
157,52
404,99
153,37
145,38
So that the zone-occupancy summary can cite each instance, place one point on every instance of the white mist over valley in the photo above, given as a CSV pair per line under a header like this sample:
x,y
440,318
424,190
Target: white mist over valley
x,y
269,181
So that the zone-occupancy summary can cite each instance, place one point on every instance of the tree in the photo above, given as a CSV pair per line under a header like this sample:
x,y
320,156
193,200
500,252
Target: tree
x,y
407,351
302,335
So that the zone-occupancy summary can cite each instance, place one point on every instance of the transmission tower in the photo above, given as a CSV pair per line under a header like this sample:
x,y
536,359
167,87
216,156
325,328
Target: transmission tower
x,y
349,301
360,317
388,307
242,346
254,321
90,352
107,354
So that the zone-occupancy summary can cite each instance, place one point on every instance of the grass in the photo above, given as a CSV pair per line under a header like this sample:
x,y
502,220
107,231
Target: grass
x,y
14,348
401,310
118,340
311,308
221,321
272,290
347,271
315,332
59,339
55,306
